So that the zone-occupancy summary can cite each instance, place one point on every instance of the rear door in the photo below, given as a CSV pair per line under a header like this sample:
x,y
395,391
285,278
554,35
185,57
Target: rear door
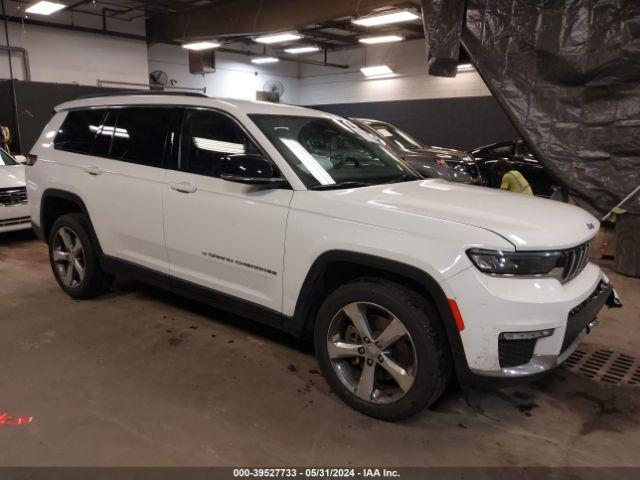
x,y
123,182
224,236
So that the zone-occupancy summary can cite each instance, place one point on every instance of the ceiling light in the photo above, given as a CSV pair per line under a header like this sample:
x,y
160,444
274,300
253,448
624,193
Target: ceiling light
x,y
382,39
376,71
264,60
45,8
200,45
385,18
465,67
279,37
301,50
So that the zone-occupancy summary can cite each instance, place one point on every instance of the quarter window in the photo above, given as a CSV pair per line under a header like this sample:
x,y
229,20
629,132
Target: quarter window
x,y
79,130
208,139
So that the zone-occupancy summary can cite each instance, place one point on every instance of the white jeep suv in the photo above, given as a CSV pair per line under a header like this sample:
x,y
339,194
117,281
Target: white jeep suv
x,y
301,220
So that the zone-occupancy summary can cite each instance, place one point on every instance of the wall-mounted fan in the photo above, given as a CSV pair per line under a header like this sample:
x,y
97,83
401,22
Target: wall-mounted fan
x,y
273,90
159,78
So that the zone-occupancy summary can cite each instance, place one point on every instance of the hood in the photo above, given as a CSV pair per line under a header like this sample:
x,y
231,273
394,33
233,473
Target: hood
x,y
12,176
450,154
529,223
424,161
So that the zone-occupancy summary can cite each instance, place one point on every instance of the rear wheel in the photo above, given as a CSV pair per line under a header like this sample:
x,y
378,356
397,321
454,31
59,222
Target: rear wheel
x,y
381,348
74,259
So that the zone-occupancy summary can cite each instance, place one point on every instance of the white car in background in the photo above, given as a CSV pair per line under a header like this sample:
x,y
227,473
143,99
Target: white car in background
x,y
14,210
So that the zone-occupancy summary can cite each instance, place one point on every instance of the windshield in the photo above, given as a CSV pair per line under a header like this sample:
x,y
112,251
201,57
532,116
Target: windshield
x,y
6,159
325,152
395,135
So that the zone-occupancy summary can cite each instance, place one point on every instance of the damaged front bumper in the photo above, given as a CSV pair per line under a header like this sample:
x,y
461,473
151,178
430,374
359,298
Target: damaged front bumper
x,y
580,321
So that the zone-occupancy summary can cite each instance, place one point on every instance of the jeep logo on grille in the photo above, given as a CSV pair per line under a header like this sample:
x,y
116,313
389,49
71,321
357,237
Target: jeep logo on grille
x,y
590,226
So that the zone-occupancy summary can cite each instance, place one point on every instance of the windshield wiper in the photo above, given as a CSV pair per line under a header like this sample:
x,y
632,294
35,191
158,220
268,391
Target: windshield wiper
x,y
333,186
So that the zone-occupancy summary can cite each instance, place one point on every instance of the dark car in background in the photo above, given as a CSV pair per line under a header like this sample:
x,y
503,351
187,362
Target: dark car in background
x,y
430,162
518,153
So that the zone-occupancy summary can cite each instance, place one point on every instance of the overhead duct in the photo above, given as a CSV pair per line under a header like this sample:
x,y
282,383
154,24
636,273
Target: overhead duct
x,y
25,59
245,17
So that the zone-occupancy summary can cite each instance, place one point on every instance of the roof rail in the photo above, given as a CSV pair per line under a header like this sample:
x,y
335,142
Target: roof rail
x,y
141,92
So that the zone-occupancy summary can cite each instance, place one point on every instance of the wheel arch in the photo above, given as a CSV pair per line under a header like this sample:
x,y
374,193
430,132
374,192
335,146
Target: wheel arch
x,y
336,267
55,203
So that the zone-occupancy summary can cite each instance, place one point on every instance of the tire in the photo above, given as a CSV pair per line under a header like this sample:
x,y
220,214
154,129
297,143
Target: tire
x,y
427,345
87,279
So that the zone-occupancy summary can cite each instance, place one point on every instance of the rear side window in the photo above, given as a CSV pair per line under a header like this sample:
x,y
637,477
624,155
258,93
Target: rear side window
x,y
139,135
78,131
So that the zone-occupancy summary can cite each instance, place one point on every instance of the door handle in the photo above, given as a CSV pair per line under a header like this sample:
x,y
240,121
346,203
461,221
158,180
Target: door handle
x,y
183,187
92,170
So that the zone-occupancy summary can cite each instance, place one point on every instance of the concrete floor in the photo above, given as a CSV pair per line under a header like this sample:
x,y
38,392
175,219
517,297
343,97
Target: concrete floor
x,y
140,377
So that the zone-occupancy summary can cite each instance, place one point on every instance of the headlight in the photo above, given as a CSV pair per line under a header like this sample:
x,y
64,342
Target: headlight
x,y
495,262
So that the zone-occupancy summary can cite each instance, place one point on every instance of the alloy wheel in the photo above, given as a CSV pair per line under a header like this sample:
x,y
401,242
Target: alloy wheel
x,y
68,257
371,352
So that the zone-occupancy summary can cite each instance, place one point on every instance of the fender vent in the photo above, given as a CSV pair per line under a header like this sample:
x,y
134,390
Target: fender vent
x,y
605,365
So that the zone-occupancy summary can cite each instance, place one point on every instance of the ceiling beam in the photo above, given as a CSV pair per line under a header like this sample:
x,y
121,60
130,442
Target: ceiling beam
x,y
251,17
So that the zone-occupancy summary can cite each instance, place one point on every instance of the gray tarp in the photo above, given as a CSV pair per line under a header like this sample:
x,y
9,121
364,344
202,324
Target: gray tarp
x,y
567,73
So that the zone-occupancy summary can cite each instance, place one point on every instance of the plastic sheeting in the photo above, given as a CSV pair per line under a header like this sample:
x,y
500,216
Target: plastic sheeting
x,y
442,20
567,73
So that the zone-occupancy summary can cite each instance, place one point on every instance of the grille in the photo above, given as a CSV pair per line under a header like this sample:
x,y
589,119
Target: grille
x,y
14,221
472,169
575,322
605,364
13,196
512,353
575,259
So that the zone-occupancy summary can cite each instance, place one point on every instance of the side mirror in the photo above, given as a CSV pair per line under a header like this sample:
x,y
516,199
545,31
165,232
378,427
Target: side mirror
x,y
21,159
250,169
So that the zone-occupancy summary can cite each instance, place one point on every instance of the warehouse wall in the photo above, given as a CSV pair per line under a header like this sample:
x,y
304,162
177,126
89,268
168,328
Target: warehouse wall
x,y
320,85
64,56
235,75
463,123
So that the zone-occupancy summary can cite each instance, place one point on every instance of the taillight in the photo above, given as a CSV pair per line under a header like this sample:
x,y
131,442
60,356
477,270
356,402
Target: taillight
x,y
31,159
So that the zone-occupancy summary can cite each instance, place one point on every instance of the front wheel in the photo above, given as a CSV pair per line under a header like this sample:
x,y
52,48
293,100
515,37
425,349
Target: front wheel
x,y
382,349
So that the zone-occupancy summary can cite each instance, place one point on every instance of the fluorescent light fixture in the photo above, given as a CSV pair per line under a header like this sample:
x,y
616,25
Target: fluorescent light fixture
x,y
45,8
297,50
278,37
381,39
200,45
465,67
376,71
386,18
264,60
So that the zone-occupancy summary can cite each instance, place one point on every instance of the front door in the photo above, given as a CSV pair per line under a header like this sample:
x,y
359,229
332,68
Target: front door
x,y
224,236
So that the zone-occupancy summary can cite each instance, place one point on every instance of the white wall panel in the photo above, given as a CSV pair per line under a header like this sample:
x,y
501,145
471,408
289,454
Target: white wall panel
x,y
320,85
235,75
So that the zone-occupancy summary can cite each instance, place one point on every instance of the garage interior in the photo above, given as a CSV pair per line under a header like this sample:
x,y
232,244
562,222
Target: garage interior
x,y
141,377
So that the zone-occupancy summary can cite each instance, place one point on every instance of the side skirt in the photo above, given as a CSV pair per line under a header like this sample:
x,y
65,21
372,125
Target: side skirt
x,y
195,292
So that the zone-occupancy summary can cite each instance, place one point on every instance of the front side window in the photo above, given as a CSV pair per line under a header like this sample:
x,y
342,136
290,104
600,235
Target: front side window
x,y
208,138
6,159
330,152
395,136
78,131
